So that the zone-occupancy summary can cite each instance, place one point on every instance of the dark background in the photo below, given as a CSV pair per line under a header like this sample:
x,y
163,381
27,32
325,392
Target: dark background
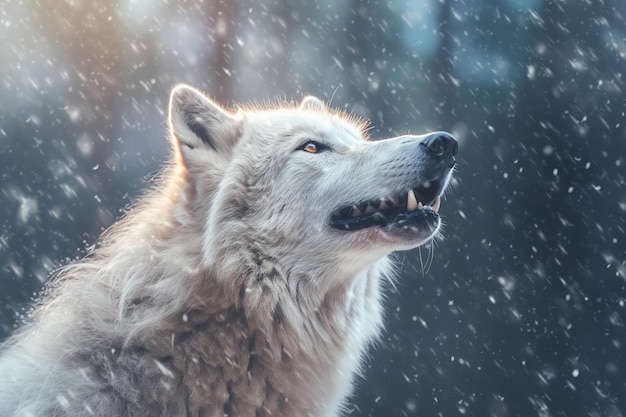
x,y
521,312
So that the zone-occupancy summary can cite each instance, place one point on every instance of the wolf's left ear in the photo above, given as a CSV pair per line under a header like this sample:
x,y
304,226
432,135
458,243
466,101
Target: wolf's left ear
x,y
312,103
196,122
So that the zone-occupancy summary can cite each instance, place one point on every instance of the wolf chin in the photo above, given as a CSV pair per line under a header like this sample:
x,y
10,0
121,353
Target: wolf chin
x,y
247,282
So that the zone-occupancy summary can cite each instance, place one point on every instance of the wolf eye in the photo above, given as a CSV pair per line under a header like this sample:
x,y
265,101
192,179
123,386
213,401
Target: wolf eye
x,y
310,147
313,147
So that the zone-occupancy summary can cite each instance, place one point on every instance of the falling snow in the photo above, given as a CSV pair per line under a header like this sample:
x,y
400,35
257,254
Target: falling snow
x,y
522,309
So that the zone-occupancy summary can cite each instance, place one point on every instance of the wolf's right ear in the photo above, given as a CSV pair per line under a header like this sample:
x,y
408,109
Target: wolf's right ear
x,y
197,122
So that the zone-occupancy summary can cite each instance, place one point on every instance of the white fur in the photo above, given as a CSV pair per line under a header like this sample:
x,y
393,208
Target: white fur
x,y
224,291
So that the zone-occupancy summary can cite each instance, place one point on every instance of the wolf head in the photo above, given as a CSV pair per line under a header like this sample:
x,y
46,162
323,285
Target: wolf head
x,y
304,185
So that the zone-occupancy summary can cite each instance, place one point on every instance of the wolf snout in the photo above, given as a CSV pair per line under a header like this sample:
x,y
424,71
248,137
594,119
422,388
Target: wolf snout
x,y
441,145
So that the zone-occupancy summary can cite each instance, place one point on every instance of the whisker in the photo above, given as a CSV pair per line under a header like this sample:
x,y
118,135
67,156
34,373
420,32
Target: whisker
x,y
431,255
330,102
421,261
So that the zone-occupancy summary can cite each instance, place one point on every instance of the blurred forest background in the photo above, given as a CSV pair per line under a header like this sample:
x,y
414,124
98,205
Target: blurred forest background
x,y
521,312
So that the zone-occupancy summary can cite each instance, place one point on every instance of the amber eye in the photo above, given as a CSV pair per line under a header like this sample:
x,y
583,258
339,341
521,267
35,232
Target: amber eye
x,y
310,147
313,147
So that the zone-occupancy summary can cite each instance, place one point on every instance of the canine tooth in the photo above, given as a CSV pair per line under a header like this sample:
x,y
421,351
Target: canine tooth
x,y
411,204
420,205
437,203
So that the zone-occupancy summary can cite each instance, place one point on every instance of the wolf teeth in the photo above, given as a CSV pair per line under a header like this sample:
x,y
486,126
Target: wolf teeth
x,y
437,203
411,201
389,202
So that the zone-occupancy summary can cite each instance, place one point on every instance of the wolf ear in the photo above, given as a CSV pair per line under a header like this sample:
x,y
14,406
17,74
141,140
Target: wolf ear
x,y
312,103
196,122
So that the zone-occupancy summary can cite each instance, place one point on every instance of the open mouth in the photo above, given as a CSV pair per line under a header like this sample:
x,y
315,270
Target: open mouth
x,y
422,201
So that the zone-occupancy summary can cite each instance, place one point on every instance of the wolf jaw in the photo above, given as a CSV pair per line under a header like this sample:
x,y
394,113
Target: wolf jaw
x,y
401,209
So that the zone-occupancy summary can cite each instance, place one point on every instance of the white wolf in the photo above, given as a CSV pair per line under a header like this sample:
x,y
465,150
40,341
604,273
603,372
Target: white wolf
x,y
246,283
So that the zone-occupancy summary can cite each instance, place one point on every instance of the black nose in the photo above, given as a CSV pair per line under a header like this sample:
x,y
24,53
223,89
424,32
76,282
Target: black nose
x,y
440,144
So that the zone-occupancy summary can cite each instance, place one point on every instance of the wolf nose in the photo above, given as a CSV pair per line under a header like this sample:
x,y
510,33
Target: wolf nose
x,y
441,143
